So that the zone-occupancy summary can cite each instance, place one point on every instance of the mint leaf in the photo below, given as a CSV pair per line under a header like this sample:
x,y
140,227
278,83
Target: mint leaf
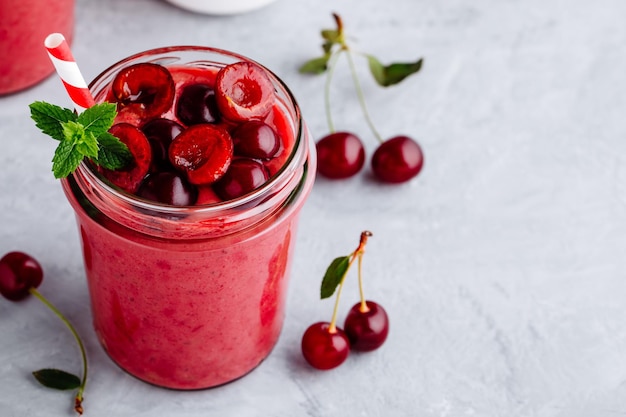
x,y
315,65
84,142
387,75
113,153
98,119
88,146
333,276
81,136
57,379
48,117
66,159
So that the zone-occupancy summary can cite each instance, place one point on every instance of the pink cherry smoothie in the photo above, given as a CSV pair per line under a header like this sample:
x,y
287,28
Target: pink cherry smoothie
x,y
193,295
24,26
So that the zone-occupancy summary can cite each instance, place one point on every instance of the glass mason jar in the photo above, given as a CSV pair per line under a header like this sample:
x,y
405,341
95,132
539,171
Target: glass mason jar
x,y
24,25
191,297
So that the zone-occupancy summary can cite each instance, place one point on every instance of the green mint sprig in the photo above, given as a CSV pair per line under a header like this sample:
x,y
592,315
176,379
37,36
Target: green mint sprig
x,y
81,136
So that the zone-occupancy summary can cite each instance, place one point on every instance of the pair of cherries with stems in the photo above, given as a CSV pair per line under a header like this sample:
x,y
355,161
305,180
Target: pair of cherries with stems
x,y
341,154
324,344
20,276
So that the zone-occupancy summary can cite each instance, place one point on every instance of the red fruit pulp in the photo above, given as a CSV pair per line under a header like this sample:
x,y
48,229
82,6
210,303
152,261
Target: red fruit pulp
x,y
322,349
19,273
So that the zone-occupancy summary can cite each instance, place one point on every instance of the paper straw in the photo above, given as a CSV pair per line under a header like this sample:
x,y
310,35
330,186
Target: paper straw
x,y
65,65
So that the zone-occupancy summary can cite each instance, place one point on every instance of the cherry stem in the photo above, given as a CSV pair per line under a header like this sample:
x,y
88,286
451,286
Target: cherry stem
x,y
361,96
329,75
339,23
332,61
79,395
332,327
363,308
357,254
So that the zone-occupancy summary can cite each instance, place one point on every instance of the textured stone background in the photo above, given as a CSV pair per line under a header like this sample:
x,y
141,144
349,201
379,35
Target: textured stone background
x,y
501,266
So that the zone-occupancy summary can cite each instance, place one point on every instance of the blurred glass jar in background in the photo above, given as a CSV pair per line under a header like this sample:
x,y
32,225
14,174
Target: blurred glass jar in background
x,y
24,25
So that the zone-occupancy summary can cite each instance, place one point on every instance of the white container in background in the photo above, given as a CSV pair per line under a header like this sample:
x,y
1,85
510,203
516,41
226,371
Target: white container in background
x,y
220,7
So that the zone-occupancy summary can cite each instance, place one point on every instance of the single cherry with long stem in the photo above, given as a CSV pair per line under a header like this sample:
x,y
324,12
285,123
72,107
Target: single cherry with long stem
x,y
397,159
325,346
340,155
367,323
20,275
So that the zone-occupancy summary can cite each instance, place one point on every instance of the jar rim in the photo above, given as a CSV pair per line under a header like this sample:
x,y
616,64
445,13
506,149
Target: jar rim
x,y
261,194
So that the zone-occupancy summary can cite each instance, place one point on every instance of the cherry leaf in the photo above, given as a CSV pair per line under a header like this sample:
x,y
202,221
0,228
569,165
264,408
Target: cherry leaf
x,y
331,35
315,65
328,48
333,276
387,75
57,379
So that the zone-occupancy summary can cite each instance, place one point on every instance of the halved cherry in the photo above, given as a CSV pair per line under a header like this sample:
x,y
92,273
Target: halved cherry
x,y
243,176
129,178
203,152
148,89
244,91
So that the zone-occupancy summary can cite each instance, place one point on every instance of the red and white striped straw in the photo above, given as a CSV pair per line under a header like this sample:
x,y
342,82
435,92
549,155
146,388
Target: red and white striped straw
x,y
65,65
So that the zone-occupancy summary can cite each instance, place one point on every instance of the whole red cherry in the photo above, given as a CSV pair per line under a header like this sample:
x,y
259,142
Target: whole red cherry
x,y
324,349
397,160
367,330
19,273
340,155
